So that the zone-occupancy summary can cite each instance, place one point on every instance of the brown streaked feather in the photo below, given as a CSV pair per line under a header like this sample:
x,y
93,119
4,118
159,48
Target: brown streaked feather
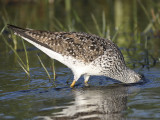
x,y
81,46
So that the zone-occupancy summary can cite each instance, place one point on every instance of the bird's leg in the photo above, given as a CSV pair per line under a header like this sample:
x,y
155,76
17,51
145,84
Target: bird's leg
x,y
86,77
76,77
73,83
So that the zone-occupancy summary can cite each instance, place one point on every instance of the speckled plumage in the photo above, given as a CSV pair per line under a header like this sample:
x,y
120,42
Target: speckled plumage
x,y
85,54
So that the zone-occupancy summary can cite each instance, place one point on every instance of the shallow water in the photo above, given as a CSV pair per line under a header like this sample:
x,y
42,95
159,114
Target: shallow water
x,y
39,98
104,99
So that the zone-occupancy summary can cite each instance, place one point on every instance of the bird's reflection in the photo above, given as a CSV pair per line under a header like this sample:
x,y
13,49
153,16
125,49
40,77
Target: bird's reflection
x,y
96,103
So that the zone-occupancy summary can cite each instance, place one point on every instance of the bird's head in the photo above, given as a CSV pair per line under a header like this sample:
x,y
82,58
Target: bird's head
x,y
131,76
126,76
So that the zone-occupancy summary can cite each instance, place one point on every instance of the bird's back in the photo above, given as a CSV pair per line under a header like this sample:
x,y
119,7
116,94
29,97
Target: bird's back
x,y
81,46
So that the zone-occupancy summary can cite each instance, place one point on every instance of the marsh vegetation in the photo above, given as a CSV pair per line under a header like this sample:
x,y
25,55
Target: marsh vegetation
x,y
32,85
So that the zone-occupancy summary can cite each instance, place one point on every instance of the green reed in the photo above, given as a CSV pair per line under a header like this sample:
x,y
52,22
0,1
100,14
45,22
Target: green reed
x,y
96,25
44,67
79,20
26,55
53,69
24,66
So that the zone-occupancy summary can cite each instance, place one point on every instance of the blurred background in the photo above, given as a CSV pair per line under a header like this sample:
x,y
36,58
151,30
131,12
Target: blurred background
x,y
27,80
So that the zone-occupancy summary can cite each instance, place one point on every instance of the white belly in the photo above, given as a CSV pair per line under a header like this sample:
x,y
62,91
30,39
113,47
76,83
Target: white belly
x,y
77,66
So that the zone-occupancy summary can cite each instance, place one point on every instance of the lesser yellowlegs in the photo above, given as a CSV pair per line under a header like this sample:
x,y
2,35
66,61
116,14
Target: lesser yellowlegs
x,y
83,53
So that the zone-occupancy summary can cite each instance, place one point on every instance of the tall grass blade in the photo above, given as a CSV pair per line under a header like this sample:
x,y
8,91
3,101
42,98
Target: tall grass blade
x,y
68,5
3,29
59,25
14,52
148,17
44,67
5,16
27,72
53,69
26,54
96,24
21,63
78,19
144,9
115,35
103,24
149,26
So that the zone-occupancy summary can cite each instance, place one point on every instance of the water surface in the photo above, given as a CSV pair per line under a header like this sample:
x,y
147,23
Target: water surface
x,y
38,98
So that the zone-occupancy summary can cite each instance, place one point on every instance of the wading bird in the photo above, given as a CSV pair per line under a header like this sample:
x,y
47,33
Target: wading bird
x,y
83,53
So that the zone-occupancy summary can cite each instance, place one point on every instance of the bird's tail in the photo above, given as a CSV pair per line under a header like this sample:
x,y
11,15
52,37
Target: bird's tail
x,y
32,36
17,30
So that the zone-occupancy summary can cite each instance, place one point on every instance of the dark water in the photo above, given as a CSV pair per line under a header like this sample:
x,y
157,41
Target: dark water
x,y
38,98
